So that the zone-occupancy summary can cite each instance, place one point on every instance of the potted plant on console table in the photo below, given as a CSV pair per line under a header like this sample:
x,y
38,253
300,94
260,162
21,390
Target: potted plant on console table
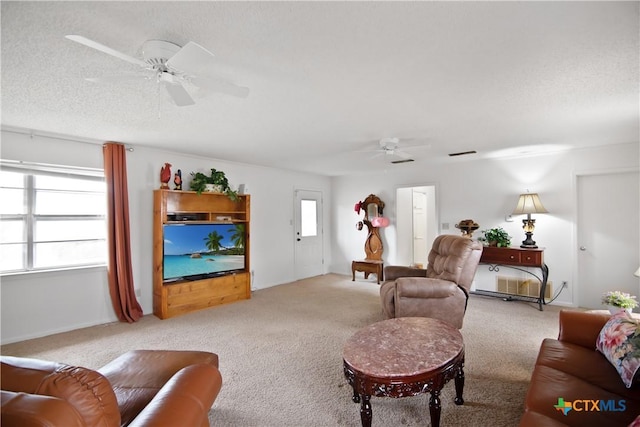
x,y
215,182
497,237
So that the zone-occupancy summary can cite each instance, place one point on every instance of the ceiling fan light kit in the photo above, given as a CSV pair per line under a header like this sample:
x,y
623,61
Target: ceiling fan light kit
x,y
158,52
173,66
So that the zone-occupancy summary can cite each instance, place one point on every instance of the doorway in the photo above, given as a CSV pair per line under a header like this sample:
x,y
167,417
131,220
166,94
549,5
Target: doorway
x,y
607,235
308,249
417,223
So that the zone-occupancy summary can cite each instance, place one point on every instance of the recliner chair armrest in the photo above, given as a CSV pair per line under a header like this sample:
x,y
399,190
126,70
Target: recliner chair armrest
x,y
86,390
35,410
184,400
422,287
392,272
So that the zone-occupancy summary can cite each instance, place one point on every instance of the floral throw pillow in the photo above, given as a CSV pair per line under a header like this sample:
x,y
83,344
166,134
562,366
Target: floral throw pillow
x,y
619,342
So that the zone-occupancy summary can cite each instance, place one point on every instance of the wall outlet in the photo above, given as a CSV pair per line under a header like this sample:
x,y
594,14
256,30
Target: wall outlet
x,y
565,284
445,225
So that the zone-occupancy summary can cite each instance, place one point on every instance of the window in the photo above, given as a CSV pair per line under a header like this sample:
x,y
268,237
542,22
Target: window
x,y
51,217
309,218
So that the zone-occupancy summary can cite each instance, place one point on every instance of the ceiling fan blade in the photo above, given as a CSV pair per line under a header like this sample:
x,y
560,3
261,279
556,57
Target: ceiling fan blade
x,y
105,49
179,94
401,154
221,86
116,78
191,59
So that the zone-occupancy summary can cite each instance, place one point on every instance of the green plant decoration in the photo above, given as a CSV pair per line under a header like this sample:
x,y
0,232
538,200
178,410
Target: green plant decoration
x,y
200,180
619,299
496,237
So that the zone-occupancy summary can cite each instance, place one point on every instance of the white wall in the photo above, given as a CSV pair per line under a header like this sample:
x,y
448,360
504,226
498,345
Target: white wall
x,y
484,190
38,304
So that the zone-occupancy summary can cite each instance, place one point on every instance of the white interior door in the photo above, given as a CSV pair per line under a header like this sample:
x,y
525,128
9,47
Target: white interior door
x,y
608,235
308,234
416,228
419,228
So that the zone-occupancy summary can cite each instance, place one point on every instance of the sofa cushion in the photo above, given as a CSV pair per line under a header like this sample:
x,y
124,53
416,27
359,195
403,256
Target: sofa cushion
x,y
619,341
549,385
586,364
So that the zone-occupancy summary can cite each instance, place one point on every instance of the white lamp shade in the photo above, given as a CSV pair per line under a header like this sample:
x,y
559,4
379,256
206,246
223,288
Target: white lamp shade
x,y
637,273
529,203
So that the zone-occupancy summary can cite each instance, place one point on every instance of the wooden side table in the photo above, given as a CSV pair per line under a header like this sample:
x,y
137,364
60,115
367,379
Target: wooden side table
x,y
368,267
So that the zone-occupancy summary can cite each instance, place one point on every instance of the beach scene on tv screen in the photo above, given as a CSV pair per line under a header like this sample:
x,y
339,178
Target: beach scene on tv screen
x,y
195,249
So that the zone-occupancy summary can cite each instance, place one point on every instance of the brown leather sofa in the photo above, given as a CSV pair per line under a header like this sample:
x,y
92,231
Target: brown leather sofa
x,y
139,388
439,292
570,368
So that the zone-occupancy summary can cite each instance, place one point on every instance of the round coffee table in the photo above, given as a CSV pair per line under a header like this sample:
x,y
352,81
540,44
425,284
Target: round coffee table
x,y
404,357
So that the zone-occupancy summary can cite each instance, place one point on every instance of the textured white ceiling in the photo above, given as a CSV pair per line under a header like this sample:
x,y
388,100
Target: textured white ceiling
x,y
329,79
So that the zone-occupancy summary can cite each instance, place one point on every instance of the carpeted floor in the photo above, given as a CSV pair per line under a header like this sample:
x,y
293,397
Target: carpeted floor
x,y
281,355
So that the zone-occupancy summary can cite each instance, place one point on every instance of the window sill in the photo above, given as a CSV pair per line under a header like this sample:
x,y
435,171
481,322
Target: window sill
x,y
54,270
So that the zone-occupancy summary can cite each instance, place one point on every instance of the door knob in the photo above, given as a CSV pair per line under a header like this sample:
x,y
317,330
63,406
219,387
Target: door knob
x,y
582,248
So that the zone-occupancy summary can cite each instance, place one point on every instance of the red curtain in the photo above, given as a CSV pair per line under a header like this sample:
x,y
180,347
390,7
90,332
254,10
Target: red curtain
x,y
119,269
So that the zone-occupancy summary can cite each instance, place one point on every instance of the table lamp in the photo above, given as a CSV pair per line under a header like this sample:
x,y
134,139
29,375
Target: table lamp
x,y
527,204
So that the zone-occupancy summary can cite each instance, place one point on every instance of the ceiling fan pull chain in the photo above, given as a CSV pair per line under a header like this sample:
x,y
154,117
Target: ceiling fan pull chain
x,y
158,91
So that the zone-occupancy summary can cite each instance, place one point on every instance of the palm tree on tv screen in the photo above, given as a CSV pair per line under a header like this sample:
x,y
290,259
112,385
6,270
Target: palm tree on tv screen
x,y
213,241
237,236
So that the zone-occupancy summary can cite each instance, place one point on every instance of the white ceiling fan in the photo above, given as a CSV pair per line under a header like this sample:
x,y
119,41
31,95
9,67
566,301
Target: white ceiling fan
x,y
172,66
390,148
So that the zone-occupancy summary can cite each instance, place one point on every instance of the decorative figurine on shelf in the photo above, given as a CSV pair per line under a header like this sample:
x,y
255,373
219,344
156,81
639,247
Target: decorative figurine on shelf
x,y
177,180
165,176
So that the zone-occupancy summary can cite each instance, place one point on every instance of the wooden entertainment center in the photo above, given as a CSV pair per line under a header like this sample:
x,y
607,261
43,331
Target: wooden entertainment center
x,y
173,298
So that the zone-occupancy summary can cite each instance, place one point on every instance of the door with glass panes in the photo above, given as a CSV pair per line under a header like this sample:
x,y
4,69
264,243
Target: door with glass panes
x,y
308,250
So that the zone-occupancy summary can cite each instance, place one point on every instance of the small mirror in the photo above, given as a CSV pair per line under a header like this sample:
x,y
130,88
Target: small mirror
x,y
372,210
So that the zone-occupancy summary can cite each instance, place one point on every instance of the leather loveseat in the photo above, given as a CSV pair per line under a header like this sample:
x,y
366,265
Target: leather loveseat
x,y
139,388
570,373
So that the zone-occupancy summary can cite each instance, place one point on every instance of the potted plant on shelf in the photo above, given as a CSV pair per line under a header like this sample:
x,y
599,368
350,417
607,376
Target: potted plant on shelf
x,y
496,237
215,182
617,301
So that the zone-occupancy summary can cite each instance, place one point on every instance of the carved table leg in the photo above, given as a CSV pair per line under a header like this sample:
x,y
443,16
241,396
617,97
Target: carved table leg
x,y
435,408
365,411
356,397
459,381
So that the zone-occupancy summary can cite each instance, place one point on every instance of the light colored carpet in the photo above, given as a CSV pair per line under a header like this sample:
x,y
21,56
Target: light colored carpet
x,y
281,355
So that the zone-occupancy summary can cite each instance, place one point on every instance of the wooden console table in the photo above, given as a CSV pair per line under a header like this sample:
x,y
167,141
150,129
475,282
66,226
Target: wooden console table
x,y
518,259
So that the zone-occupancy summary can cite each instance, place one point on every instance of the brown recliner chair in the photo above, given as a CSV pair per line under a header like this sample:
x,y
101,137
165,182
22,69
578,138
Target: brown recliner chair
x,y
140,388
441,291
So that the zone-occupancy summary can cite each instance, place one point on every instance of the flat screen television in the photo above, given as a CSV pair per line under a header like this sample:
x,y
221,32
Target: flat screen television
x,y
198,251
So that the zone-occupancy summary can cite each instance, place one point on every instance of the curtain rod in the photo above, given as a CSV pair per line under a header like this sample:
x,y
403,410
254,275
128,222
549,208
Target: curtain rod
x,y
33,134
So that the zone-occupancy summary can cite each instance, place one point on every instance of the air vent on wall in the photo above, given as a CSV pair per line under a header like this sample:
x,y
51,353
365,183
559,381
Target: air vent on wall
x,y
462,153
